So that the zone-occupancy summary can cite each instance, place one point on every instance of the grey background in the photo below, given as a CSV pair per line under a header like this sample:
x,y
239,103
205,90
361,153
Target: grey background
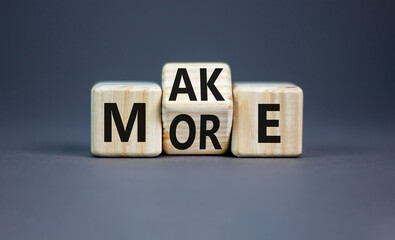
x,y
341,53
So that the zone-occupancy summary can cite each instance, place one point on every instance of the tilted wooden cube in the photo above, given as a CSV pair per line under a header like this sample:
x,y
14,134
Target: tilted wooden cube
x,y
126,119
268,120
197,108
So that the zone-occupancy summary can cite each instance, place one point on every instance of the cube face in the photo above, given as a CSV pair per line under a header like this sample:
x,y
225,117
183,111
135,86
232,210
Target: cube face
x,y
261,113
126,119
204,107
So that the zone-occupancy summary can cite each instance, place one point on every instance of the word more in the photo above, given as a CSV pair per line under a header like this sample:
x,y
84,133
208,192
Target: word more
x,y
197,111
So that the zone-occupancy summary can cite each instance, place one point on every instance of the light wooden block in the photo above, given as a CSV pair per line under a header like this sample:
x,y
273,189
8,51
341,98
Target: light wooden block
x,y
215,106
138,102
248,132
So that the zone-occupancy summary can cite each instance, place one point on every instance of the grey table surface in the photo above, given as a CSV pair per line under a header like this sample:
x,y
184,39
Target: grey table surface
x,y
342,187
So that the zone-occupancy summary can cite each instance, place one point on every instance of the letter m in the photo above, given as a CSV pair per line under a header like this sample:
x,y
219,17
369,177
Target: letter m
x,y
111,109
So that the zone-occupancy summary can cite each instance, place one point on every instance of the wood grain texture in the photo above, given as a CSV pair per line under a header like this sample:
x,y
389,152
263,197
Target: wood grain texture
x,y
245,121
125,94
222,109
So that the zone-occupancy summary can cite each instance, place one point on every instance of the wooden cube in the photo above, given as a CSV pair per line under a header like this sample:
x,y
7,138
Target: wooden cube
x,y
268,120
126,119
197,108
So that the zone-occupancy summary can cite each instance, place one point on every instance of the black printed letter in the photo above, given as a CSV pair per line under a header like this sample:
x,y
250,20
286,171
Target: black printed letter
x,y
210,133
173,128
124,134
182,73
210,84
263,123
